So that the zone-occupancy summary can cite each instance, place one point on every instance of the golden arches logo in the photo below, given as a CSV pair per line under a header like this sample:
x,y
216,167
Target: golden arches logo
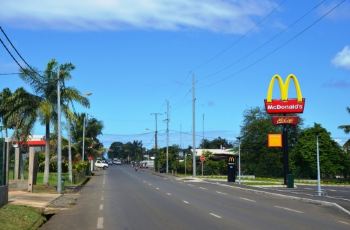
x,y
284,105
231,159
284,87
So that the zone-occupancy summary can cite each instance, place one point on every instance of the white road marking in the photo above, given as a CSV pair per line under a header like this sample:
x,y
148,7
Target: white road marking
x,y
222,193
203,188
168,193
288,209
100,223
102,198
217,216
101,207
246,199
332,190
343,222
308,188
157,188
185,201
149,184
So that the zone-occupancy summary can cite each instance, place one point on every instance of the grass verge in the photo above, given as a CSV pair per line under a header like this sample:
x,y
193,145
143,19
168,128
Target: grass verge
x,y
17,217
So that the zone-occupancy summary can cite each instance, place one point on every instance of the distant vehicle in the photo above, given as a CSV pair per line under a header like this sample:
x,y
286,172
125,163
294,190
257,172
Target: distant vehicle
x,y
117,161
101,164
109,162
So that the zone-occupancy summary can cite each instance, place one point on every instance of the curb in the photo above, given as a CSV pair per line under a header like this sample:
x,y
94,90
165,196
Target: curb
x,y
307,200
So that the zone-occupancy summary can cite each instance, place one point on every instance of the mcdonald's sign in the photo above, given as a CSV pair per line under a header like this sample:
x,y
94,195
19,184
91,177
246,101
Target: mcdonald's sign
x,y
284,104
231,159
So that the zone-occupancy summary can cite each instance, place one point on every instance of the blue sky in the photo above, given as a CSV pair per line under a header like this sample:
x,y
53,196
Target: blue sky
x,y
135,55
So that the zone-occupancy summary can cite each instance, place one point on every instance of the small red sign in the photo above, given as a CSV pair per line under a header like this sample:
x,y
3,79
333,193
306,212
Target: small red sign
x,y
285,120
202,158
90,158
287,106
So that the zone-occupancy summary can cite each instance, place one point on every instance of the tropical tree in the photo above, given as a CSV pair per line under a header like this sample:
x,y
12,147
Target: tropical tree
x,y
45,86
346,129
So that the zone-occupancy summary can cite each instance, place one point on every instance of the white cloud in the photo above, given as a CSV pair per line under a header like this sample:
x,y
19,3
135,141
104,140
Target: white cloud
x,y
228,16
342,58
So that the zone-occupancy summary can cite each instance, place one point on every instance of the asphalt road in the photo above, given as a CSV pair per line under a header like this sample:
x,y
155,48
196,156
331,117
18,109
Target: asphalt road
x,y
121,198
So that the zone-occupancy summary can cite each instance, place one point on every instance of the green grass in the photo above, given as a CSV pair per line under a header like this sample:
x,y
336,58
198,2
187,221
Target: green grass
x,y
16,217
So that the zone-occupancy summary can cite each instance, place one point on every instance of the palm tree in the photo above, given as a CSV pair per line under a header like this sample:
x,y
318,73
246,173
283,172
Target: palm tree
x,y
346,128
45,86
18,111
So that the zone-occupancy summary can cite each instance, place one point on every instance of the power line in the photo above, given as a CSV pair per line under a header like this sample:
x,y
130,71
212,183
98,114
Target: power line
x,y
17,51
240,38
291,25
9,52
280,46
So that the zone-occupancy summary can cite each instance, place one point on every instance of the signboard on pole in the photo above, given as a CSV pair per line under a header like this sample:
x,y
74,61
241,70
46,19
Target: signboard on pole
x,y
202,158
274,140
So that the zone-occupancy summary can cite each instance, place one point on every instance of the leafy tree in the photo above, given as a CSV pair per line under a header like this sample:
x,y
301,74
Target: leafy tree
x,y
45,86
257,158
217,143
333,160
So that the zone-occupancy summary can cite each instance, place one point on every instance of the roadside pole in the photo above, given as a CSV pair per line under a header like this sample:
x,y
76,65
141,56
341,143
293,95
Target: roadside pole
x,y
319,192
59,150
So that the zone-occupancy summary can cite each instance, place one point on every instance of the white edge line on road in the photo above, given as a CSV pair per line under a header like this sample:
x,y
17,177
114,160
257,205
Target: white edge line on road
x,y
203,188
168,193
288,209
343,222
100,223
246,199
326,203
101,207
186,202
157,188
217,216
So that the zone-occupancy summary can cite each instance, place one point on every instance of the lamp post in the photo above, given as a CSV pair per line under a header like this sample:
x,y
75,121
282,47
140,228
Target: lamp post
x,y
318,168
239,160
59,149
84,124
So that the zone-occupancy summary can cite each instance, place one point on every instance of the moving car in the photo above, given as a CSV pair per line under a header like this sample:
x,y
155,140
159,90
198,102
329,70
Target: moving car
x,y
101,164
117,161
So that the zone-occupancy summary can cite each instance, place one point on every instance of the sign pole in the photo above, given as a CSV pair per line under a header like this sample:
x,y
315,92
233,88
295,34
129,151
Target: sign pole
x,y
285,153
202,167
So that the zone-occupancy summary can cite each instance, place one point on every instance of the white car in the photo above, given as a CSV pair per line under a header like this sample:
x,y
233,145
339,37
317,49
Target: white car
x,y
117,162
101,164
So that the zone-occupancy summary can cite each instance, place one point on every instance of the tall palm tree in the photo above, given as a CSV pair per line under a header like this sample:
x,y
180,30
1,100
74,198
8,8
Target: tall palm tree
x,y
346,128
19,111
45,86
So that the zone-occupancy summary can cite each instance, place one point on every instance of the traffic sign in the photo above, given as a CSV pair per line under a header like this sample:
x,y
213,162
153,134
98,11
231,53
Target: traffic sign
x,y
202,158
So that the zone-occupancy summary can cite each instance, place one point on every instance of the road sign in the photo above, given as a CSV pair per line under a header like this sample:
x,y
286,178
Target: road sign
x,y
202,158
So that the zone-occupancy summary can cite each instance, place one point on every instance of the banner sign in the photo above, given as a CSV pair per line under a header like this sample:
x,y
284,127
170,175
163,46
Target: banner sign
x,y
285,120
284,104
274,140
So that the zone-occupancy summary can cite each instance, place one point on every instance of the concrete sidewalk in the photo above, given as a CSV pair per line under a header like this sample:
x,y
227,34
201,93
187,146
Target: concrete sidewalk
x,y
36,200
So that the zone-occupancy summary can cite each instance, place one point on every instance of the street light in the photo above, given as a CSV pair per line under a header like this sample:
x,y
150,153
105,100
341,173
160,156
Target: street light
x,y
239,160
84,124
59,149
318,168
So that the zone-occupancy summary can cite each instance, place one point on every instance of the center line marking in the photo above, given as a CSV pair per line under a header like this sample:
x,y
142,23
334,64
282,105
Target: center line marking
x,y
157,188
101,207
100,223
343,222
168,193
222,193
217,216
186,202
203,188
243,198
288,209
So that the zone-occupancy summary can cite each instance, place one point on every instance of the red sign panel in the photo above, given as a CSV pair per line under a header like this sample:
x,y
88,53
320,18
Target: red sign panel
x,y
287,106
202,158
286,120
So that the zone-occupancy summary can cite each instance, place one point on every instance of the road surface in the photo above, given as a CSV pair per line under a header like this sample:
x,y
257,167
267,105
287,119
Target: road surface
x,y
121,198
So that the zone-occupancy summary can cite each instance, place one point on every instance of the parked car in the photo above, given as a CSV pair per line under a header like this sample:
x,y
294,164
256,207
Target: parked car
x,y
101,164
117,161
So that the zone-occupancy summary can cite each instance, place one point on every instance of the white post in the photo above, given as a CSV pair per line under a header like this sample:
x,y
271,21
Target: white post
x,y
69,154
83,153
59,147
239,160
318,168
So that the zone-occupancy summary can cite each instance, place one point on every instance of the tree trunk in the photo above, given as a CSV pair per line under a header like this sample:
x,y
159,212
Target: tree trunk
x,y
47,154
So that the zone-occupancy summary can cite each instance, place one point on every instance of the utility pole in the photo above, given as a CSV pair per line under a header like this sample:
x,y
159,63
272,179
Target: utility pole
x,y
59,150
156,135
193,127
84,124
167,136
69,152
239,160
319,192
203,131
184,153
